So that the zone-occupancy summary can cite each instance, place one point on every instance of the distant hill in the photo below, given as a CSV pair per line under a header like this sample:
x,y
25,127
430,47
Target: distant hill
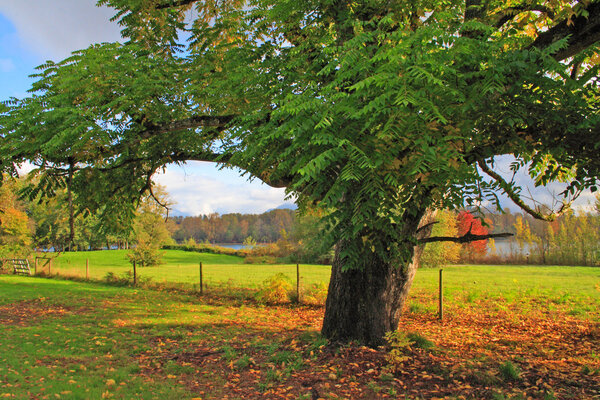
x,y
178,213
284,206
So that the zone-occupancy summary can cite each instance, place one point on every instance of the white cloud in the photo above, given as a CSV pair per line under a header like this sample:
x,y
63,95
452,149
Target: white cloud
x,y
6,65
55,28
199,188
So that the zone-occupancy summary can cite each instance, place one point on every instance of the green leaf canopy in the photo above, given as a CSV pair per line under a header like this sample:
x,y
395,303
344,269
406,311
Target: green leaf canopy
x,y
371,110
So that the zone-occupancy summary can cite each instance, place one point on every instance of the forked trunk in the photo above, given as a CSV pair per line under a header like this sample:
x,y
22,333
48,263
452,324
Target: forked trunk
x,y
364,304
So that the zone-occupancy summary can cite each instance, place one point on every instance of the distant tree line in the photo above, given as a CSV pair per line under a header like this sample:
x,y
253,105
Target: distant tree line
x,y
268,227
27,224
571,239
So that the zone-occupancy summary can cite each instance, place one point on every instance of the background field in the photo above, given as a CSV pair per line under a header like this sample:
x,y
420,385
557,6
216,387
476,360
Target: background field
x,y
183,267
510,282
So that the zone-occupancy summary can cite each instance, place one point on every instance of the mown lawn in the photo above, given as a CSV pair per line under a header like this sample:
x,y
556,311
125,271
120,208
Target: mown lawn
x,y
508,333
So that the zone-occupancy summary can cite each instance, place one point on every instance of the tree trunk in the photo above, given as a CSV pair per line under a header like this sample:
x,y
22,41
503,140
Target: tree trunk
x,y
364,304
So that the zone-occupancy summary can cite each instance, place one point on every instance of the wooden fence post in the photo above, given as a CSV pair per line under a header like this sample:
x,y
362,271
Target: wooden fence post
x,y
87,269
298,282
134,274
441,295
201,283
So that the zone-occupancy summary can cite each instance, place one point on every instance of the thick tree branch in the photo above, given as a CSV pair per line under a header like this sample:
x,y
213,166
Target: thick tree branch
x,y
466,238
511,12
582,31
175,3
507,188
226,159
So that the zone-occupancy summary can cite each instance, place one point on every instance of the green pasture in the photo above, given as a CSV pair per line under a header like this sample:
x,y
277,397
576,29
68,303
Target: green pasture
x,y
511,281
183,267
529,287
469,282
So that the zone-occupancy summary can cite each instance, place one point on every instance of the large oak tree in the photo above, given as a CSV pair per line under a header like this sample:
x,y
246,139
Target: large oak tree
x,y
378,112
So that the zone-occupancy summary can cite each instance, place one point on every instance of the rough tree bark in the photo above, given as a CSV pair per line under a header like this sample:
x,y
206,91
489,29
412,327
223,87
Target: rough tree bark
x,y
364,304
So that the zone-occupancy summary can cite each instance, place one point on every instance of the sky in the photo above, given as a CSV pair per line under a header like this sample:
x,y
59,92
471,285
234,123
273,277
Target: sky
x,y
33,31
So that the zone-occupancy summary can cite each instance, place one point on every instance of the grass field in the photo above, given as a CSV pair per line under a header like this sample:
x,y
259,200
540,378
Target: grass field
x,y
574,287
462,281
183,267
508,333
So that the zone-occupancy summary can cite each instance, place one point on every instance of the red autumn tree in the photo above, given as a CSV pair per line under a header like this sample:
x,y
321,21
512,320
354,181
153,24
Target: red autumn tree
x,y
467,223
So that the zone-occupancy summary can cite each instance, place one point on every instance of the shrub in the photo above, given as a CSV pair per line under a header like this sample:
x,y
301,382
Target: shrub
x,y
260,260
113,279
399,344
275,290
315,295
125,279
207,248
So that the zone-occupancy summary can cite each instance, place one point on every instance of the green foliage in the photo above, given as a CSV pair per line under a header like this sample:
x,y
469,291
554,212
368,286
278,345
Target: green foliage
x,y
250,242
243,362
126,279
400,347
416,308
306,236
420,341
275,290
229,353
570,240
370,114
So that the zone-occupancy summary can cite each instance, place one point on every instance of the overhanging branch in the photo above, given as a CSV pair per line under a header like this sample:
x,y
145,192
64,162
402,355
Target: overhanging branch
x,y
507,188
582,32
427,226
197,121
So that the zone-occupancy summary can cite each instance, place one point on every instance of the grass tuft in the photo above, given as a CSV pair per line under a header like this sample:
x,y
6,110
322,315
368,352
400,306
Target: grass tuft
x,y
510,372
